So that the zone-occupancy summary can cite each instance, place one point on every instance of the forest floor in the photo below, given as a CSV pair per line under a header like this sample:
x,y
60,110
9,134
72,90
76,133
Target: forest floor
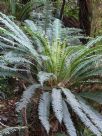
x,y
9,118
8,115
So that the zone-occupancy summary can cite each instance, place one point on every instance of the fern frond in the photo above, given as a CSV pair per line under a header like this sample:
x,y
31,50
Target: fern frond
x,y
10,130
93,73
67,121
76,106
95,96
31,25
56,30
7,45
92,42
34,31
57,103
17,34
44,76
6,68
27,95
6,71
15,58
7,40
91,114
85,65
24,12
84,62
43,109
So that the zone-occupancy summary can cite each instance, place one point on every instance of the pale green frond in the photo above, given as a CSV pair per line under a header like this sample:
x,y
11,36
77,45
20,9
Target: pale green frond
x,y
7,40
92,73
31,25
15,58
35,34
85,66
91,114
57,103
4,70
18,35
9,69
92,42
84,61
12,27
69,55
22,43
44,76
56,30
76,106
83,54
41,41
43,110
9,130
68,121
26,97
4,45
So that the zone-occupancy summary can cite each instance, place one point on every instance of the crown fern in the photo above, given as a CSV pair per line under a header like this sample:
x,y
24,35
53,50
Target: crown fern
x,y
57,66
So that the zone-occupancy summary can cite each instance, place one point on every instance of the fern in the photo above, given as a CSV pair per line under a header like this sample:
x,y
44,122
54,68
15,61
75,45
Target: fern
x,y
43,18
44,110
10,130
92,42
22,11
43,76
73,102
57,104
96,96
14,58
94,117
27,95
18,35
56,65
56,32
67,121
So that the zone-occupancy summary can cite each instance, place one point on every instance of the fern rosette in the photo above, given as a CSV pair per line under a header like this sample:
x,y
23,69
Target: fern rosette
x,y
54,65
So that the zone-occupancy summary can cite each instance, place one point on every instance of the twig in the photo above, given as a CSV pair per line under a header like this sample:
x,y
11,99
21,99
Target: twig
x,y
24,115
3,124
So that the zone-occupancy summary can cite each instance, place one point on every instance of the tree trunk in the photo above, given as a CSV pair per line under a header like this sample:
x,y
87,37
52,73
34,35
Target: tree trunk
x,y
62,9
96,24
85,15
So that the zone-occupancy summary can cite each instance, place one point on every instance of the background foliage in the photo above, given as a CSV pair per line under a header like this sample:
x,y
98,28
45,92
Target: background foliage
x,y
53,56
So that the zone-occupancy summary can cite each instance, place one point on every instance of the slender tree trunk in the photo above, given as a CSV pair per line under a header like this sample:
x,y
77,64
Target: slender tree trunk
x,y
24,116
96,24
62,9
85,15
